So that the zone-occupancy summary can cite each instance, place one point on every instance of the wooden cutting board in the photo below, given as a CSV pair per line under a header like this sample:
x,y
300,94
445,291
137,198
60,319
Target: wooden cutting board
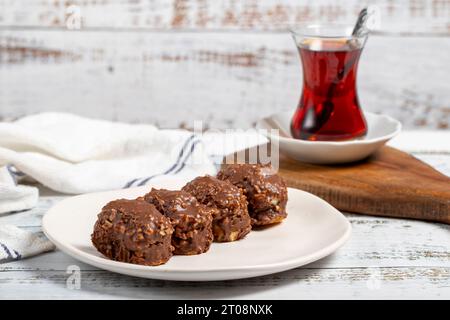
x,y
390,183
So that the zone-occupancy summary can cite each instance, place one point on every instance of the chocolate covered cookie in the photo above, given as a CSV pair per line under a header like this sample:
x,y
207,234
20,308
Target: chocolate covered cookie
x,y
266,191
133,231
192,221
231,220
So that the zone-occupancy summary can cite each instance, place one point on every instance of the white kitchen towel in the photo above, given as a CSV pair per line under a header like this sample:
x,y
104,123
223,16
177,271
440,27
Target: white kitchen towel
x,y
14,197
16,243
72,154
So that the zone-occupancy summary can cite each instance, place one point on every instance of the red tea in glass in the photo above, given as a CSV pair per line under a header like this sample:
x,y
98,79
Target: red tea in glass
x,y
329,106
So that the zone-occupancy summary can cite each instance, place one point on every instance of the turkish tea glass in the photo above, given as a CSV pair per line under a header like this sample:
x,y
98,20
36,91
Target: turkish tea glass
x,y
329,107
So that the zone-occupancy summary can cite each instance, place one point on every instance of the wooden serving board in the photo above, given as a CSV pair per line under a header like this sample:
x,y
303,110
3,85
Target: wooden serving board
x,y
390,183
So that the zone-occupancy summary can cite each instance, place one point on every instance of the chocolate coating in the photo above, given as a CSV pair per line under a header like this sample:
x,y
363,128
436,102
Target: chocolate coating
x,y
191,220
133,231
266,191
231,220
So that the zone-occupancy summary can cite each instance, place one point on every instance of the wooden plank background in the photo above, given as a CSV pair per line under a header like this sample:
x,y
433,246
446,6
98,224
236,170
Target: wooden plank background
x,y
224,62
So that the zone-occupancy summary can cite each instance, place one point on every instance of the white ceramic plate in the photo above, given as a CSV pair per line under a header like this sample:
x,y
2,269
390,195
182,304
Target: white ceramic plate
x,y
313,230
380,129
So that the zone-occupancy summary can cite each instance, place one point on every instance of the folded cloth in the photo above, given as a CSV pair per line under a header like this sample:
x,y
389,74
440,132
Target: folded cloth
x,y
16,243
72,154
15,197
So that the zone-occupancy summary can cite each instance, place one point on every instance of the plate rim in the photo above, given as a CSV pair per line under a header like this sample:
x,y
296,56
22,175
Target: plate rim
x,y
386,137
154,272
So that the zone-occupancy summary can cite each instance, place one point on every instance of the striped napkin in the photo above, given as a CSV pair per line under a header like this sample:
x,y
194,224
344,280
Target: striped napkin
x,y
16,243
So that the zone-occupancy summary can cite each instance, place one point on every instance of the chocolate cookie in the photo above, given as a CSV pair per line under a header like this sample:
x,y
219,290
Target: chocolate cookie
x,y
231,220
133,231
191,220
266,192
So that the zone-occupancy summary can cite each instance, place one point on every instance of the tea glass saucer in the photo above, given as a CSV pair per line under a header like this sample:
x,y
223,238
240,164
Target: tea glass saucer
x,y
381,128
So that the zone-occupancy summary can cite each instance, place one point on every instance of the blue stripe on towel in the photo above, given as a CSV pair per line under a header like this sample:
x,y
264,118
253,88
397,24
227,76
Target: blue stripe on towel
x,y
173,167
187,157
8,253
177,162
18,255
13,171
183,163
129,184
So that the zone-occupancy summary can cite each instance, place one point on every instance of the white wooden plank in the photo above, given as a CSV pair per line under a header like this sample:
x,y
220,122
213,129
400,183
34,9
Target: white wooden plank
x,y
226,80
31,218
357,283
408,16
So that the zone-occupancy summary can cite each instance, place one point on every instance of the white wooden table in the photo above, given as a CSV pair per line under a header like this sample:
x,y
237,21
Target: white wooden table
x,y
217,59
385,258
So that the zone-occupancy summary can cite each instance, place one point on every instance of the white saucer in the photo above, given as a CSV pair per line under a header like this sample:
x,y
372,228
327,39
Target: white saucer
x,y
312,230
381,128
